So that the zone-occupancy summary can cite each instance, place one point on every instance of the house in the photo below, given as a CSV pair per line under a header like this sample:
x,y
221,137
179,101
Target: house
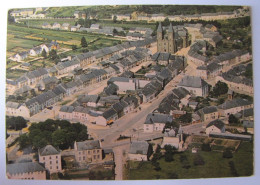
x,y
212,70
110,115
216,126
134,36
181,94
95,26
89,151
97,118
88,100
28,170
75,28
80,114
20,56
156,122
11,108
208,113
56,26
65,26
66,112
234,106
173,138
125,84
195,85
51,158
138,151
35,51
161,58
46,25
47,83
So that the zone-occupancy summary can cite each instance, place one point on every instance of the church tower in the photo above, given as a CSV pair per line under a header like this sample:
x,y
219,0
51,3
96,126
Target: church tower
x,y
159,37
171,39
166,43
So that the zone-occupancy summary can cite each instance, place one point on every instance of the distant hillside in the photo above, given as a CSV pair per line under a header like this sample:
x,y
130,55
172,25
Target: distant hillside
x,y
106,11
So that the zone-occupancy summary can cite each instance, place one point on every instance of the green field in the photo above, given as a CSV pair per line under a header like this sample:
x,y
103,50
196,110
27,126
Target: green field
x,y
215,165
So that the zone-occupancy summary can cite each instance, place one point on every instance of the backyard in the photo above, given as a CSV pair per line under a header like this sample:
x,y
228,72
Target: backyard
x,y
214,165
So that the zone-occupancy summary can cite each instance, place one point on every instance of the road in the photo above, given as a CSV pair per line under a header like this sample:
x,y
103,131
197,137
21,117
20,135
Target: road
x,y
134,120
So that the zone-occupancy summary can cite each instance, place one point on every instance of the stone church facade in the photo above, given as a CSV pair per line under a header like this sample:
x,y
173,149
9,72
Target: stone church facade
x,y
170,41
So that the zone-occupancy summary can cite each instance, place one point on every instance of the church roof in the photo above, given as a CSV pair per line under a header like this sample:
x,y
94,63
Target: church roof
x,y
159,28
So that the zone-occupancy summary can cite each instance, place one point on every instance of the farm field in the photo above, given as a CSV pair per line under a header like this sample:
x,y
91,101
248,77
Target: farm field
x,y
24,37
215,165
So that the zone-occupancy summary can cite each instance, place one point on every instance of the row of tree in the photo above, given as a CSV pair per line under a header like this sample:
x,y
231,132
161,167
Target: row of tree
x,y
59,133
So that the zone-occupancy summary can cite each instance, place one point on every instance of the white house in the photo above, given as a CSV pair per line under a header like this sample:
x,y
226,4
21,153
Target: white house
x,y
195,85
216,126
156,122
138,151
51,158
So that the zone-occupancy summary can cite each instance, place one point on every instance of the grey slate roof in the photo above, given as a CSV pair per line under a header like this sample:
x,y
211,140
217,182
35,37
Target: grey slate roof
x,y
88,145
180,92
109,113
139,147
48,150
13,105
158,118
209,109
217,123
19,168
192,81
234,103
68,109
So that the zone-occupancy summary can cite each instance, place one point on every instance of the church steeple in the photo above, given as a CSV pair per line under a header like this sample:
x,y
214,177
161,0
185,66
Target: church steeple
x,y
170,28
159,32
159,29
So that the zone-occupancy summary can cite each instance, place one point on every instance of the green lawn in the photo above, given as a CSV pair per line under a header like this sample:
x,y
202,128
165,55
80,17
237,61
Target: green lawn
x,y
215,165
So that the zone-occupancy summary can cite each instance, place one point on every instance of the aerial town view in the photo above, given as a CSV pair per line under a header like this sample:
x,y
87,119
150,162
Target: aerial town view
x,y
129,92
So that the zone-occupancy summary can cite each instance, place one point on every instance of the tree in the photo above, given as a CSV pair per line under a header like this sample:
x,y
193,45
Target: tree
x,y
15,123
233,119
44,53
157,166
84,43
227,153
166,22
114,18
173,175
220,88
115,32
53,54
206,147
73,47
92,175
186,118
23,141
198,160
168,153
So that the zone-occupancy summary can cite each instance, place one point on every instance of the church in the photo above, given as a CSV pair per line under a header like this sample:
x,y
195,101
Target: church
x,y
171,40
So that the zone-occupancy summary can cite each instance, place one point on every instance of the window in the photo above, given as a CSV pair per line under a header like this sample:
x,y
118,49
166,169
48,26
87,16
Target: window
x,y
84,158
88,152
50,157
79,158
43,158
97,151
56,157
94,157
50,167
57,167
57,162
50,162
